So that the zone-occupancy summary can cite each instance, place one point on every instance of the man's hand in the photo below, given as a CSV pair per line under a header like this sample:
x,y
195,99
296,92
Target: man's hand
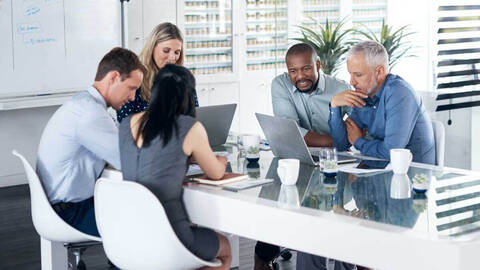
x,y
353,131
348,98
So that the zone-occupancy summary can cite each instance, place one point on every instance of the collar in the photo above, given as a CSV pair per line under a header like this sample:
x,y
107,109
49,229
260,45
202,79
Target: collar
x,y
320,86
96,95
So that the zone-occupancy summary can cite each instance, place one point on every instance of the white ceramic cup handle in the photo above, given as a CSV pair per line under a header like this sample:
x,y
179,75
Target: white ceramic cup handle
x,y
411,157
281,172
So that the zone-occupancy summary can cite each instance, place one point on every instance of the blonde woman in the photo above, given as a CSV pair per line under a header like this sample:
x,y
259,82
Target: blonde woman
x,y
163,46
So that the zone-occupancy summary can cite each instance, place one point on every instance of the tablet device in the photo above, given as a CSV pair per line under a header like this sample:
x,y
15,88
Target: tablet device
x,y
373,164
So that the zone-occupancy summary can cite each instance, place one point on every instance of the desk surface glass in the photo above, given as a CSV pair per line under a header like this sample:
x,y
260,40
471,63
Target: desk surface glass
x,y
450,209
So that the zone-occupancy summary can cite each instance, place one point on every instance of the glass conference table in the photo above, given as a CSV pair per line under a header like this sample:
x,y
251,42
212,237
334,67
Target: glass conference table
x,y
367,219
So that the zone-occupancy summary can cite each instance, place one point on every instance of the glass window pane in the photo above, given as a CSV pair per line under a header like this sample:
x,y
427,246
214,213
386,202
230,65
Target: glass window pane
x,y
369,14
208,36
267,33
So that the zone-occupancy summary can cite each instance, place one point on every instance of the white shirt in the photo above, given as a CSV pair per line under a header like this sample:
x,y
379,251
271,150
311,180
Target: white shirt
x,y
76,144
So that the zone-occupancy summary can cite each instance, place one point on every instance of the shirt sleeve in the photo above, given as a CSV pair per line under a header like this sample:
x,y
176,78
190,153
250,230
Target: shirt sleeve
x,y
283,105
337,129
401,113
98,133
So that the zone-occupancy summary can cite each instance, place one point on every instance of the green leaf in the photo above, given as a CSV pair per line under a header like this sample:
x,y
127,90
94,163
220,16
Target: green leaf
x,y
394,41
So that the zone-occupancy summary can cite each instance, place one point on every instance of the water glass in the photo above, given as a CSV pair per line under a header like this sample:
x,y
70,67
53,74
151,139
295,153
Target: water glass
x,y
251,144
330,165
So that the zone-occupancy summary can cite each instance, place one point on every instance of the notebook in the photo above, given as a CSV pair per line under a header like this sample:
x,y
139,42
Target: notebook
x,y
226,179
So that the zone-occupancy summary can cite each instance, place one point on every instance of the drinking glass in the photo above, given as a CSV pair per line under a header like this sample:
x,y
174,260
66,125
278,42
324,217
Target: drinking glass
x,y
330,165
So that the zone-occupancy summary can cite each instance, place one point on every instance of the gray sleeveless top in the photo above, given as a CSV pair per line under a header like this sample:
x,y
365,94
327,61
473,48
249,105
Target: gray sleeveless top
x,y
160,168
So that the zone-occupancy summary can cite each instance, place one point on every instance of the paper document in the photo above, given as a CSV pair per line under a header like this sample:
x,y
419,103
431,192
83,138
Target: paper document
x,y
226,179
352,168
246,184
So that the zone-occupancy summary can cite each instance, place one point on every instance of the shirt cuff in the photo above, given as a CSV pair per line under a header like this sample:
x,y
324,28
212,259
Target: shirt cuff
x,y
359,143
335,111
303,131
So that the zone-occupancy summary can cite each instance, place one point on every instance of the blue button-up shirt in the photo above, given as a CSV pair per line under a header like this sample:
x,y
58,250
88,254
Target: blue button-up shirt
x,y
394,118
310,111
76,144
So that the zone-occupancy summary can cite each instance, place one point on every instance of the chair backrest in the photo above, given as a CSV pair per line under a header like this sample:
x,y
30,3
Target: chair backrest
x,y
135,230
439,133
45,220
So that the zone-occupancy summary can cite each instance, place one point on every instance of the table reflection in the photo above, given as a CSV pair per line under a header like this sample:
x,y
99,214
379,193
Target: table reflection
x,y
451,206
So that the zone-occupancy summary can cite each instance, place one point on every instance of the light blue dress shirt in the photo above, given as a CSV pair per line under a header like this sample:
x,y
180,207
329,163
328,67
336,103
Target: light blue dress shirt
x,y
394,118
76,144
310,111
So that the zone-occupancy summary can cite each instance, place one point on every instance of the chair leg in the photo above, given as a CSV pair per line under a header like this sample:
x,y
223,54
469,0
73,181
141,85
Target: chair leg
x,y
75,259
54,255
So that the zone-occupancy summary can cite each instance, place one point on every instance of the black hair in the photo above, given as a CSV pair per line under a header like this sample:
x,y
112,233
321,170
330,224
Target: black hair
x,y
173,94
301,48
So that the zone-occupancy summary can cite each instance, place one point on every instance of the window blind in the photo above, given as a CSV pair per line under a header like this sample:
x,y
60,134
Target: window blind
x,y
458,52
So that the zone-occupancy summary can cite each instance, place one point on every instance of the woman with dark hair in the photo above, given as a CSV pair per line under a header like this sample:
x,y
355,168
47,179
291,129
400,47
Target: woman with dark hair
x,y
155,149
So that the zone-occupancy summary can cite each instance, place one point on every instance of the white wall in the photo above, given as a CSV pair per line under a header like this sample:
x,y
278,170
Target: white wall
x,y
417,71
20,129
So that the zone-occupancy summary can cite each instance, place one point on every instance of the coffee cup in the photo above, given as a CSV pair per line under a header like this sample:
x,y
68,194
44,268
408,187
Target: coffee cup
x,y
287,170
400,160
251,144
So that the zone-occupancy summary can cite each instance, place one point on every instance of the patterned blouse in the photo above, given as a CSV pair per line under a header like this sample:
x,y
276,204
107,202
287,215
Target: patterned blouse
x,y
138,105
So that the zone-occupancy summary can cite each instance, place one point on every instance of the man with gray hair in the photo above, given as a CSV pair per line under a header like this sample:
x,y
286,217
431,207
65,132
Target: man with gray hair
x,y
387,113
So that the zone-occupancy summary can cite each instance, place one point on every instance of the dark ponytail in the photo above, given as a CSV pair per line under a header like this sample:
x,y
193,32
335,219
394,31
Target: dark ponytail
x,y
172,95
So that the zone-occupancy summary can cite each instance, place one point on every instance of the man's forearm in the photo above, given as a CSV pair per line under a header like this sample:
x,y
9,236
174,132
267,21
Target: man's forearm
x,y
313,139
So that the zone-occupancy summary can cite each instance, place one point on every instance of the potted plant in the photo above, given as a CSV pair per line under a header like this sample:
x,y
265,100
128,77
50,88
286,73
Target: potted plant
x,y
330,43
393,40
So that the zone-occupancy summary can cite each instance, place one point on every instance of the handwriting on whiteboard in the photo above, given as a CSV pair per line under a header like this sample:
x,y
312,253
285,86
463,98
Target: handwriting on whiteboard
x,y
27,28
33,15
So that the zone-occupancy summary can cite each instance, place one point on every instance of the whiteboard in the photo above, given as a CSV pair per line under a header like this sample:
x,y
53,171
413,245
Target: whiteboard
x,y
54,46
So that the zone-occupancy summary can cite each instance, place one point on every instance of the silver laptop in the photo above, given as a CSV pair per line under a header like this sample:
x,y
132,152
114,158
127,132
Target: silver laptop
x,y
286,140
217,121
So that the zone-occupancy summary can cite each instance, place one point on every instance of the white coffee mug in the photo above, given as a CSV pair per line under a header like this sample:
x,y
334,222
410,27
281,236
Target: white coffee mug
x,y
251,143
287,170
400,187
400,160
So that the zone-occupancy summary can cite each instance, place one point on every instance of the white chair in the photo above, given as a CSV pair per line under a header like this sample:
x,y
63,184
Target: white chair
x,y
135,230
439,134
46,221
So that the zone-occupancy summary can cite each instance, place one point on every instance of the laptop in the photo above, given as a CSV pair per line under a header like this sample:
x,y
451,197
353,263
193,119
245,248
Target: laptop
x,y
217,121
286,140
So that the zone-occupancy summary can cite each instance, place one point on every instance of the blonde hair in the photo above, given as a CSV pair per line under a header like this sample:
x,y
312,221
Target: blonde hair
x,y
162,32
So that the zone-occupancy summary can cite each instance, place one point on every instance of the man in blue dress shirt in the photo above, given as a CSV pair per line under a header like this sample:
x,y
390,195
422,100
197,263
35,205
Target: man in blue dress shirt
x,y
81,137
387,113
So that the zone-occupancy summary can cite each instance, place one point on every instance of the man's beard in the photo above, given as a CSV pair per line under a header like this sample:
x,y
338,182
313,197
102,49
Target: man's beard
x,y
373,85
312,87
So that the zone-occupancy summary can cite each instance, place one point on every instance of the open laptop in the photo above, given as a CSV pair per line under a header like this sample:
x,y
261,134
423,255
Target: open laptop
x,y
217,121
286,140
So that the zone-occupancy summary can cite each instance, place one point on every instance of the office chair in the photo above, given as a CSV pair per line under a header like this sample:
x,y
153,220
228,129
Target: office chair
x,y
50,226
135,229
439,134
